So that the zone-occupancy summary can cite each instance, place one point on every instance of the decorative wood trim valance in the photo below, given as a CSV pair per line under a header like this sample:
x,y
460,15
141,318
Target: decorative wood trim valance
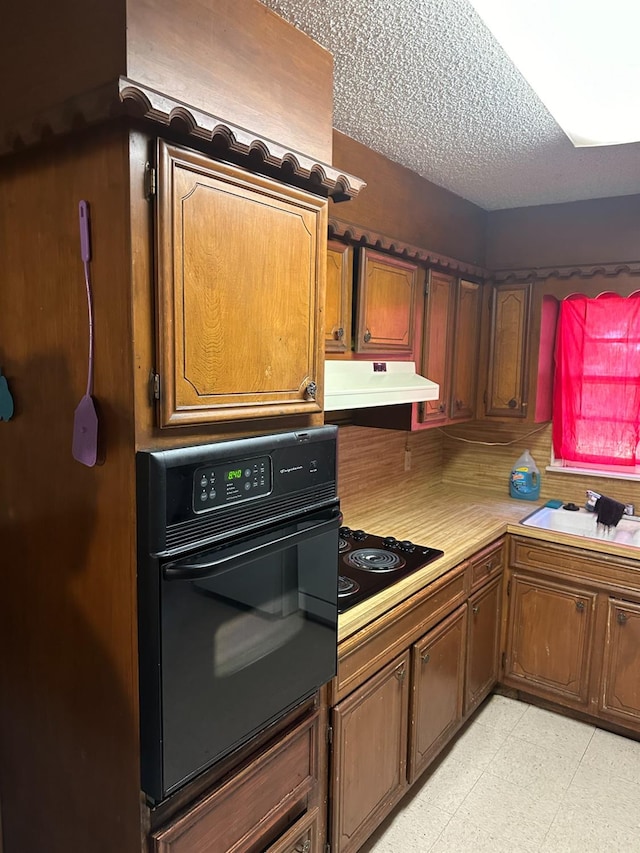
x,y
585,271
126,97
366,237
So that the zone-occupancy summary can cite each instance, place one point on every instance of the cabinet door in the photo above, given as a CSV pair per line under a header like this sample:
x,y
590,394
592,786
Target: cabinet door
x,y
620,686
240,285
387,292
337,327
507,392
437,343
437,689
483,646
465,354
550,639
369,755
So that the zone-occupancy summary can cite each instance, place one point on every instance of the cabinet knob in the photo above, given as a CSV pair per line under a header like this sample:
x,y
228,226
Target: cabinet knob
x,y
400,673
475,609
513,403
621,617
303,846
311,390
580,606
339,334
441,407
488,565
426,657
459,404
367,336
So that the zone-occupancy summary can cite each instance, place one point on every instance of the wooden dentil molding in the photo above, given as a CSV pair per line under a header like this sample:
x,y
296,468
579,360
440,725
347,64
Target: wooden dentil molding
x,y
585,271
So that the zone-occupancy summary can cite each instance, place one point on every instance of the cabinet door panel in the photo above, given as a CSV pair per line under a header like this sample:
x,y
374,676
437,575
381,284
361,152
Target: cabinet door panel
x,y
337,336
509,346
387,291
369,754
438,689
550,639
437,348
465,357
239,292
620,688
483,648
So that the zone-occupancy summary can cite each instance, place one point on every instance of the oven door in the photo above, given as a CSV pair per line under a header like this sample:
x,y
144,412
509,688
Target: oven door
x,y
247,630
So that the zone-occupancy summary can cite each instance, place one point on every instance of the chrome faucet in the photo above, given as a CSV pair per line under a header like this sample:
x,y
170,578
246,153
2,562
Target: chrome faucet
x,y
593,497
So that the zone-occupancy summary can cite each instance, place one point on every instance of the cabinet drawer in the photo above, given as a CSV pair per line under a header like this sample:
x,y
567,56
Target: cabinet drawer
x,y
236,816
487,564
302,837
364,654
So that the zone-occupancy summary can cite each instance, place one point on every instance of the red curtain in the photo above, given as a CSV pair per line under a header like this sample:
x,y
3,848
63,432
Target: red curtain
x,y
596,405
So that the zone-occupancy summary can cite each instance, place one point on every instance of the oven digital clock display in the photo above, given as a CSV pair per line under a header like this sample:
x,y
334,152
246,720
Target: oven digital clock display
x,y
236,480
236,474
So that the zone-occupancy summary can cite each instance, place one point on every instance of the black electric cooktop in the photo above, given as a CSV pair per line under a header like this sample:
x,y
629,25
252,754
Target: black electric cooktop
x,y
369,563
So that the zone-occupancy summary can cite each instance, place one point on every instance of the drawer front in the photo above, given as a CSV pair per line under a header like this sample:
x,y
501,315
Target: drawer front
x,y
246,808
377,644
487,564
302,837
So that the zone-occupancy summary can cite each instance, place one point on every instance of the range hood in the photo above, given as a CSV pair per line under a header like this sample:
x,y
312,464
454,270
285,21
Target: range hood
x,y
362,384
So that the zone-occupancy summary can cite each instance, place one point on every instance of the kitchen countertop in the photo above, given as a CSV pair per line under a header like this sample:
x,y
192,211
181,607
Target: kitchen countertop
x,y
458,522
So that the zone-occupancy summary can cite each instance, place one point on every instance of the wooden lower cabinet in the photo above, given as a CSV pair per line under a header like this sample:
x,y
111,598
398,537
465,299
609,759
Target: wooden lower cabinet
x,y
483,643
257,807
573,630
437,689
550,638
369,755
620,684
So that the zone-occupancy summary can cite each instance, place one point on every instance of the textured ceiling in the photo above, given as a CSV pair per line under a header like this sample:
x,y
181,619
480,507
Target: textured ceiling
x,y
424,83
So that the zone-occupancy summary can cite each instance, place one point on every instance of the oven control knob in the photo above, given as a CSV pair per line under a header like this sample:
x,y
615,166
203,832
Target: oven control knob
x,y
359,534
406,545
390,541
344,531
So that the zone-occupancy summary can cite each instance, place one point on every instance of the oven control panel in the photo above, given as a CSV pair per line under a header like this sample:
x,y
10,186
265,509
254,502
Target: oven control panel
x,y
220,485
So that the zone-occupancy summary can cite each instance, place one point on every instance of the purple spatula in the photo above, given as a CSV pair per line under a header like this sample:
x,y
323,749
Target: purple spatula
x,y
85,420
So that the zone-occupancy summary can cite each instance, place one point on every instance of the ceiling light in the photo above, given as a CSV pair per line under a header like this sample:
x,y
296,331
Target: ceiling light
x,y
581,57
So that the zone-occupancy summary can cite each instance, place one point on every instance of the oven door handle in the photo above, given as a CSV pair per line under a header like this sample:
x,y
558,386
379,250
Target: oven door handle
x,y
199,569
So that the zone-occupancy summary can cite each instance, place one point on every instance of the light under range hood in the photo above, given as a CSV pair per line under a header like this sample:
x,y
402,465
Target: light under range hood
x,y
362,384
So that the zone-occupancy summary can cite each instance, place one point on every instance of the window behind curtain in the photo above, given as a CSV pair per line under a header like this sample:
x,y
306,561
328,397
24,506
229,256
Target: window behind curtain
x,y
596,406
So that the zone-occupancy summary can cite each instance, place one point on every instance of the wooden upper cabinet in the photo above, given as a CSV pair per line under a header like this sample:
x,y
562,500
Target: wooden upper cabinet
x,y
387,294
240,286
507,382
465,350
337,325
437,342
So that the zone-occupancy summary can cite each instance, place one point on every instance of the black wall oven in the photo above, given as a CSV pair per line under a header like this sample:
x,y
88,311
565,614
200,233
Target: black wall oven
x,y
237,586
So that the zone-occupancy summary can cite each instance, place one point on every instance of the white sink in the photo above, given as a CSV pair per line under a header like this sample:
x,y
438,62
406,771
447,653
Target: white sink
x,y
583,523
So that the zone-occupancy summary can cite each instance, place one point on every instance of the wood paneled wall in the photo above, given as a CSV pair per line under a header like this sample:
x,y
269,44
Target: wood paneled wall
x,y
596,231
398,203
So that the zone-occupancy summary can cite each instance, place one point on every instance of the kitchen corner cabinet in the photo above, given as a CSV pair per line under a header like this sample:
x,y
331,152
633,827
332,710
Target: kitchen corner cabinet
x,y
240,293
387,294
573,630
338,321
451,331
507,379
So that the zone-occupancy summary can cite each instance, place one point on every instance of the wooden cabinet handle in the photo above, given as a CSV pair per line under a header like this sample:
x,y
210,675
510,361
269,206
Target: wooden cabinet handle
x,y
339,334
367,336
622,617
310,391
426,657
400,673
580,606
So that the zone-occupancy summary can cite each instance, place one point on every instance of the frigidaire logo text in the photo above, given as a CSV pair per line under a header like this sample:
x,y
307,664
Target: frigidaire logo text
x,y
289,470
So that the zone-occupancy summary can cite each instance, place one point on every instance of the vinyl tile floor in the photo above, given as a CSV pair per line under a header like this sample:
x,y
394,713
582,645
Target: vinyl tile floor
x,y
522,780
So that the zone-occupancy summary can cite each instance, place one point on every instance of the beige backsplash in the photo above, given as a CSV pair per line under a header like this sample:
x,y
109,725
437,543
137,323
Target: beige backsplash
x,y
377,458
